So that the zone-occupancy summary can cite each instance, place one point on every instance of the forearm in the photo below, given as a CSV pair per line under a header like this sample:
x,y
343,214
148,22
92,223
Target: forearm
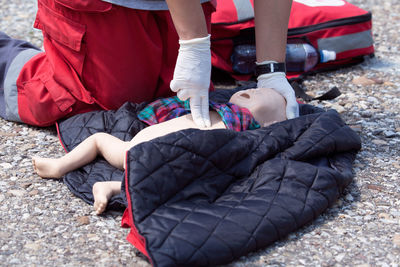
x,y
271,19
188,18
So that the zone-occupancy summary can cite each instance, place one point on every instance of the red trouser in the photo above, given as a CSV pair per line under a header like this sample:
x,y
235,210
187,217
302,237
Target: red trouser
x,y
98,56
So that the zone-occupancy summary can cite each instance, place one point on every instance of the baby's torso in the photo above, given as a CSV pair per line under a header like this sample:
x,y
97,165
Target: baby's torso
x,y
229,115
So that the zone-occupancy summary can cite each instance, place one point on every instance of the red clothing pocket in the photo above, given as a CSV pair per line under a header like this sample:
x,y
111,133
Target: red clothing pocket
x,y
86,5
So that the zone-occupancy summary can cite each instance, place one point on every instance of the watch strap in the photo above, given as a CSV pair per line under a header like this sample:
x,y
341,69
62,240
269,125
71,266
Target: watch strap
x,y
270,68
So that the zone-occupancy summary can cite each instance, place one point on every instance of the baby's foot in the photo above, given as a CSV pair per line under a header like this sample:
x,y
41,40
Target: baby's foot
x,y
102,192
47,167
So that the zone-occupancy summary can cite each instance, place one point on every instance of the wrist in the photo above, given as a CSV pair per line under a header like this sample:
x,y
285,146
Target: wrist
x,y
198,42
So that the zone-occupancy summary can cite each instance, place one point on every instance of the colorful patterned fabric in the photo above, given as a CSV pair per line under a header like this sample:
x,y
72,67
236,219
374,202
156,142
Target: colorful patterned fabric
x,y
234,117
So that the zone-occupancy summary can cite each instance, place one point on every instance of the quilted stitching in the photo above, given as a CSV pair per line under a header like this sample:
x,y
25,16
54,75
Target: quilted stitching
x,y
122,124
318,194
276,180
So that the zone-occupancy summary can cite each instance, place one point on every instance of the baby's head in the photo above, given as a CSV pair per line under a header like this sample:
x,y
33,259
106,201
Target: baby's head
x,y
266,105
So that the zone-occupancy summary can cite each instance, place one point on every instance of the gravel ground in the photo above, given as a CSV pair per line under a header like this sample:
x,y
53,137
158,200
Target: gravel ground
x,y
43,224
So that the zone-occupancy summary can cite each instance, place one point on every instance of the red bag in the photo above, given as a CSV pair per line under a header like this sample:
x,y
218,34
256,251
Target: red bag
x,y
334,25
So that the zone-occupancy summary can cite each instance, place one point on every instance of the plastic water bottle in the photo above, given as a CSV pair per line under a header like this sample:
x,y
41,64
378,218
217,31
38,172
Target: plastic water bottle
x,y
303,57
300,57
244,58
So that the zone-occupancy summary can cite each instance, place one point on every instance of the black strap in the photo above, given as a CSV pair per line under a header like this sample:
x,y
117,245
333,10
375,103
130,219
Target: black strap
x,y
300,92
269,68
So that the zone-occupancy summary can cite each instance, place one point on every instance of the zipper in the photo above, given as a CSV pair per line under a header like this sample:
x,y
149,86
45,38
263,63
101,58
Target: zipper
x,y
249,32
233,22
330,24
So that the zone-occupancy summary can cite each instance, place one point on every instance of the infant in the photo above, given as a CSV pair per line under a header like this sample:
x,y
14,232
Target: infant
x,y
265,105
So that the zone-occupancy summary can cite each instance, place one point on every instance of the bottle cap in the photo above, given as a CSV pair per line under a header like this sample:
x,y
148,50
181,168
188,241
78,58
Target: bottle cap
x,y
327,55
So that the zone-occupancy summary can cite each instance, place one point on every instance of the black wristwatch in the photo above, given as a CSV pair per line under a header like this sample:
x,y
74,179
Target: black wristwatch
x,y
270,67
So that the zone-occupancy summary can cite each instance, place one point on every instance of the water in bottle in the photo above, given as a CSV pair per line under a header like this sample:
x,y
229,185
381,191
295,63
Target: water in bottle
x,y
244,58
300,57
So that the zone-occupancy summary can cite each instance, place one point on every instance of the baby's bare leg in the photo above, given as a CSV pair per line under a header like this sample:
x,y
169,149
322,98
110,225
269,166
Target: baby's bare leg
x,y
106,145
102,192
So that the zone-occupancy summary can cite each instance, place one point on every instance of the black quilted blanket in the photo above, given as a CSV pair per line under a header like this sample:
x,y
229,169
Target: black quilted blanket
x,y
208,197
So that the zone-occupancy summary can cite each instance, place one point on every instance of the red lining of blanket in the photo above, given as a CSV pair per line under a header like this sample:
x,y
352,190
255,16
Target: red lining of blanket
x,y
59,138
127,219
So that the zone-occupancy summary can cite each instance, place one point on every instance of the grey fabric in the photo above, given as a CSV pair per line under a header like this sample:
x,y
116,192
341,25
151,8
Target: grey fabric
x,y
144,4
13,55
10,83
344,42
244,9
2,105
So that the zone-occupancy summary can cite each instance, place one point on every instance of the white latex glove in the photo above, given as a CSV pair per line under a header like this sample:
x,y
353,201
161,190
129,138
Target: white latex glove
x,y
192,77
278,82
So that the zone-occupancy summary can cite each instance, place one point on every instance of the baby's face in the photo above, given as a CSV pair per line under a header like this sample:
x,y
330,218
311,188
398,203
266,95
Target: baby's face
x,y
266,105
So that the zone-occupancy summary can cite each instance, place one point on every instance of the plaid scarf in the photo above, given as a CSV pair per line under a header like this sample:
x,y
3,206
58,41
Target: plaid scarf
x,y
235,118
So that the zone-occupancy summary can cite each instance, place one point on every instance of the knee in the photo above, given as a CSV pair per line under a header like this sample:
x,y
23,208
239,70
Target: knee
x,y
98,139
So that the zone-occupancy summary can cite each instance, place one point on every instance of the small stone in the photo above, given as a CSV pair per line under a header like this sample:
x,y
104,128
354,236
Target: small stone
x,y
396,239
375,187
15,261
4,235
373,100
388,83
6,134
94,238
377,131
302,262
33,246
384,216
34,192
349,106
366,114
340,257
389,134
100,224
382,203
349,197
338,108
363,81
359,165
37,210
2,197
379,142
395,213
357,128
6,165
17,193
83,220
25,185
